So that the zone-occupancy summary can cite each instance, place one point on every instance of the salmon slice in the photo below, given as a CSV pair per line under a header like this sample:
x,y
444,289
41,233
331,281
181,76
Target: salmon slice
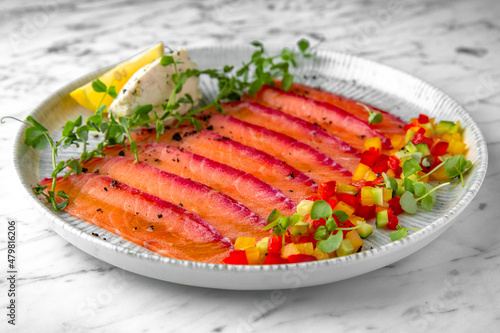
x,y
258,196
305,132
331,118
141,218
229,217
304,158
293,183
389,126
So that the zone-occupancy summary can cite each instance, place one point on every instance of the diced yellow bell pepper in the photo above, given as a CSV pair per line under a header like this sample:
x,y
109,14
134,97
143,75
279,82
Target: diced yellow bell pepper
x,y
356,240
387,195
446,137
456,147
390,173
457,136
320,255
305,248
370,175
288,250
375,142
397,141
345,188
360,171
349,210
356,220
243,243
367,196
424,179
439,175
253,255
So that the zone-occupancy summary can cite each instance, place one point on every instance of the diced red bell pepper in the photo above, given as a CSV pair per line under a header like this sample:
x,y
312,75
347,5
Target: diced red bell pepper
x,y
423,119
333,201
366,212
327,189
296,258
318,223
274,259
275,244
410,125
313,198
347,224
421,138
304,239
393,162
369,157
393,223
349,199
421,130
380,166
395,205
237,257
440,148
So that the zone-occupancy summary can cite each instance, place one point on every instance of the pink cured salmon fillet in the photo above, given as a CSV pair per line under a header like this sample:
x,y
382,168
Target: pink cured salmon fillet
x,y
304,158
229,217
389,126
331,118
258,196
305,132
141,218
293,183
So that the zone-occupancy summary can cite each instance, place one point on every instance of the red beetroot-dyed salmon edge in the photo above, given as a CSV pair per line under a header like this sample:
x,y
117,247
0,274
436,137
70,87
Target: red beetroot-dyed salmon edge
x,y
311,161
95,191
390,121
301,130
229,217
293,183
362,127
226,177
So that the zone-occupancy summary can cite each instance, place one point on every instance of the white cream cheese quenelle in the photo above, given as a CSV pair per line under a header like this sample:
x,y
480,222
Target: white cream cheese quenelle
x,y
152,84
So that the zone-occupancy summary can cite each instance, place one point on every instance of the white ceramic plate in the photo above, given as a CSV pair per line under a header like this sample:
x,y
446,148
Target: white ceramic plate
x,y
354,77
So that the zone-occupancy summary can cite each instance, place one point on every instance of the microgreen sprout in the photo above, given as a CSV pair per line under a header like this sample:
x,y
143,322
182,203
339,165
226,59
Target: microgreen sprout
x,y
373,116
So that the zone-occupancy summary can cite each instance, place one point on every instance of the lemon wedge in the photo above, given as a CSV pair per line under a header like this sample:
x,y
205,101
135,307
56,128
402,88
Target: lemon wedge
x,y
117,76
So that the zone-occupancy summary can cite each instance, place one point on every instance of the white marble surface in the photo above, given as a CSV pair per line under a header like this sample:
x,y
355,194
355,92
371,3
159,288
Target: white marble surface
x,y
451,285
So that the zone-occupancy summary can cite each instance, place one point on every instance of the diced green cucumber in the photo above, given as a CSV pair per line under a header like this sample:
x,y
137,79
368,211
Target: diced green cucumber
x,y
403,155
424,149
429,128
299,228
275,214
382,218
411,147
378,196
345,248
262,245
409,134
445,127
365,230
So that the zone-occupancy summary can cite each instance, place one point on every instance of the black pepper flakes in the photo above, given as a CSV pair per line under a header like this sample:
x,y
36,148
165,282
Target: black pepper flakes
x,y
106,189
180,204
100,210
157,160
177,137
95,234
160,216
121,153
362,136
290,190
96,171
291,175
84,170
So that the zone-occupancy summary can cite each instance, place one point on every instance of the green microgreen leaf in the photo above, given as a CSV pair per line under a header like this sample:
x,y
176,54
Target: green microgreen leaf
x,y
341,215
411,167
321,233
167,60
419,189
287,81
331,225
112,91
408,203
398,234
35,138
320,210
375,118
99,86
332,243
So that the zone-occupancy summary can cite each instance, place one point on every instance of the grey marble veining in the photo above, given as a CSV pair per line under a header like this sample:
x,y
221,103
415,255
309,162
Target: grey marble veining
x,y
452,284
